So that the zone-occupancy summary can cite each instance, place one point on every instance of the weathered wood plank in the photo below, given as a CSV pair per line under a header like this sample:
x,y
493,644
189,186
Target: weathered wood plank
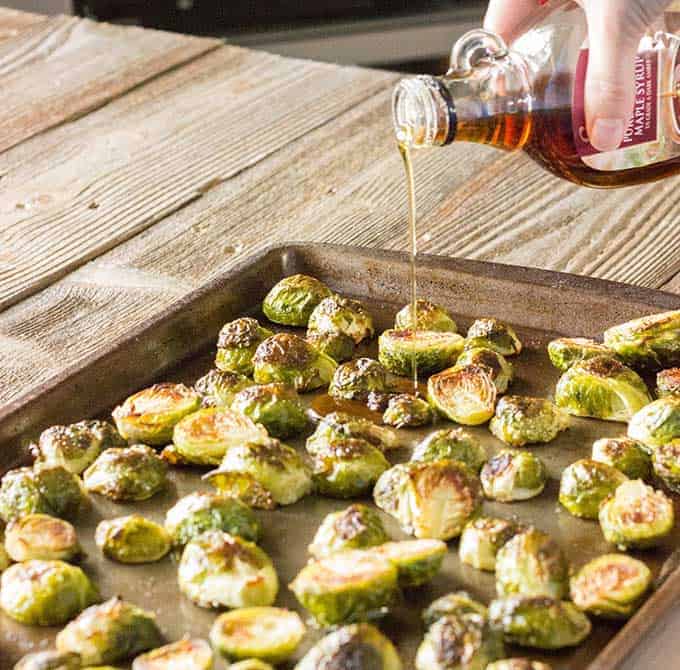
x,y
673,286
12,22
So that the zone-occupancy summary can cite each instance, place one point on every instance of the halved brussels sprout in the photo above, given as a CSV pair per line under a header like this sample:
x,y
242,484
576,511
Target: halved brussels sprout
x,y
45,593
585,484
454,643
454,444
624,454
565,351
236,345
458,603
76,446
348,586
666,462
513,475
356,379
501,370
222,570
359,646
521,420
482,538
251,664
430,499
132,539
656,424
276,467
466,394
668,382
539,621
428,317
218,388
199,511
49,660
531,564
5,560
636,516
611,586
417,561
110,632
243,487
336,314
41,537
150,415
493,334
132,474
406,410
186,654
289,359
430,351
602,388
338,346
356,527
651,341
517,664
270,634
338,425
275,406
292,301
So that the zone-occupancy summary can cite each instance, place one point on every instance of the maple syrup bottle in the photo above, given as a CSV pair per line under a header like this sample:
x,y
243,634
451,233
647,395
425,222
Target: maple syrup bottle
x,y
531,97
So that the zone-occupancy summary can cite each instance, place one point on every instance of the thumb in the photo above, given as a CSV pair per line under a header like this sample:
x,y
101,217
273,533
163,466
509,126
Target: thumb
x,y
511,18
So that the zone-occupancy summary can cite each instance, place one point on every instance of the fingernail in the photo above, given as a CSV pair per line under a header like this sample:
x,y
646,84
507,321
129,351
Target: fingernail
x,y
607,134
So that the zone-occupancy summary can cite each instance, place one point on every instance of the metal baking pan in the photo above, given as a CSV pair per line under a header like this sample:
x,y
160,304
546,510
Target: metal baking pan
x,y
178,345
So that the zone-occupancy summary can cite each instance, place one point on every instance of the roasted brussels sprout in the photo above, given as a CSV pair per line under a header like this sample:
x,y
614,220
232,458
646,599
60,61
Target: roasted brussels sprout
x,y
275,406
611,586
349,586
539,621
218,388
513,475
668,382
336,314
417,561
186,654
5,560
430,499
270,634
356,379
405,411
521,420
482,538
338,425
428,317
45,593
356,527
636,516
585,484
289,359
531,564
41,537
430,351
338,346
458,603
110,632
454,444
603,388
150,415
49,660
359,646
565,351
132,474
493,334
517,664
237,343
199,511
666,462
76,446
651,341
500,370
132,539
656,424
624,454
465,394
251,664
222,570
292,301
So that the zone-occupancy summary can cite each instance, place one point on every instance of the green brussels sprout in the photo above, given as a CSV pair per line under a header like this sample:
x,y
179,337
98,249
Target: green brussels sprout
x,y
585,484
336,314
275,406
493,334
218,388
41,537
636,516
517,664
656,424
428,317
624,454
222,570
466,394
338,426
237,343
5,560
199,511
49,660
289,359
356,379
539,621
454,444
132,539
356,527
186,654
243,487
458,603
276,467
611,586
521,420
150,415
110,632
76,446
501,370
132,474
531,564
565,351
359,646
668,382
406,411
430,499
348,586
481,540
513,475
666,462
271,634
430,351
292,301
338,346
417,561
453,643
251,664
45,593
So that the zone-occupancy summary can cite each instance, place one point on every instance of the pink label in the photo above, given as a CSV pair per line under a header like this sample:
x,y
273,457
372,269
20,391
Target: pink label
x,y
643,124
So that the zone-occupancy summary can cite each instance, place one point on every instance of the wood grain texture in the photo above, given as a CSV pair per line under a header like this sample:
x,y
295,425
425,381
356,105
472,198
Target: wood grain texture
x,y
12,22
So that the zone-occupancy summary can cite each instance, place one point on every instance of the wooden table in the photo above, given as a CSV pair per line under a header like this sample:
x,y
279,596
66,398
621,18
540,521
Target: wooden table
x,y
135,165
